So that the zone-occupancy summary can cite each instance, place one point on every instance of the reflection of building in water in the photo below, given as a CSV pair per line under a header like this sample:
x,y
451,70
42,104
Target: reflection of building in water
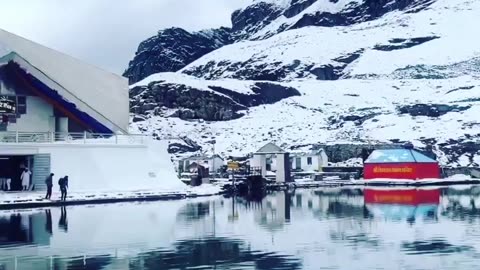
x,y
275,211
24,229
407,204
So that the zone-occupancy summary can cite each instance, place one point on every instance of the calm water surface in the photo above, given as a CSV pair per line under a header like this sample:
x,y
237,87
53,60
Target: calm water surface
x,y
306,229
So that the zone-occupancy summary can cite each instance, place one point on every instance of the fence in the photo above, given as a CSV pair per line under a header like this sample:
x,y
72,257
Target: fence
x,y
71,138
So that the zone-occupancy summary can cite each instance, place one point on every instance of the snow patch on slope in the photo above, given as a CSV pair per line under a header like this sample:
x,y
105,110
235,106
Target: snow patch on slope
x,y
243,87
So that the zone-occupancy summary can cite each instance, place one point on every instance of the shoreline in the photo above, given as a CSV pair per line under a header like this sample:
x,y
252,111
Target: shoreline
x,y
41,204
36,200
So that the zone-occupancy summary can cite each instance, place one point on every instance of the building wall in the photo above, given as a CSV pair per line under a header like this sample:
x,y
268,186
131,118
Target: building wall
x,y
97,167
317,162
216,163
39,117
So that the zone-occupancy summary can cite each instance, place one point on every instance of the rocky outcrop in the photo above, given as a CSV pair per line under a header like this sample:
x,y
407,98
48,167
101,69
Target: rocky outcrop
x,y
368,10
213,104
278,71
248,21
183,145
190,103
430,110
401,43
172,49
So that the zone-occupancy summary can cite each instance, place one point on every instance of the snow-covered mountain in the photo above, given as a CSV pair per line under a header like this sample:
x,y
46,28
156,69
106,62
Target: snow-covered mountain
x,y
304,73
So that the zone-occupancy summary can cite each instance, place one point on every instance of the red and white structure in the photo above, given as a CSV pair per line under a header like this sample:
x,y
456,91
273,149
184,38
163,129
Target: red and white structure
x,y
400,164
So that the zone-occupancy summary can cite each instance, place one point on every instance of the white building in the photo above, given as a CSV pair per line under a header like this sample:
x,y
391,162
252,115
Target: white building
x,y
313,161
214,163
308,162
60,115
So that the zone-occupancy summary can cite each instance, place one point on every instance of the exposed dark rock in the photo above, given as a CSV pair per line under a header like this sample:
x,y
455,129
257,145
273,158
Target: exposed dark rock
x,y
186,145
220,104
297,6
172,49
430,110
349,58
399,44
250,20
257,70
200,104
138,118
342,152
265,93
461,88
455,148
366,11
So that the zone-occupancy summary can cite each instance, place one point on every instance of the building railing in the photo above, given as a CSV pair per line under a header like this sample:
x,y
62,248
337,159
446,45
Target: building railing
x,y
71,138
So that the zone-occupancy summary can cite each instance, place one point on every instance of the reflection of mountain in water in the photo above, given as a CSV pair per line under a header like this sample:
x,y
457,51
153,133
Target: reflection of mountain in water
x,y
435,246
223,253
193,211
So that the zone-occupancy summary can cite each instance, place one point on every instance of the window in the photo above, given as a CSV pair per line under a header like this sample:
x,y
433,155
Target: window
x,y
21,105
309,160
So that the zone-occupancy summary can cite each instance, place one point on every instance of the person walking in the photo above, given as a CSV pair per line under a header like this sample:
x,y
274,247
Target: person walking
x,y
63,183
26,179
49,183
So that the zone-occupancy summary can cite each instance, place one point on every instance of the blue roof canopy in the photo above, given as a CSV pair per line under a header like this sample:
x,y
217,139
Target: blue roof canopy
x,y
398,156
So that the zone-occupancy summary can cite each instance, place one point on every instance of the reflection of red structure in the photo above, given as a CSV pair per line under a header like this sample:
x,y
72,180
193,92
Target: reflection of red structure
x,y
400,164
406,197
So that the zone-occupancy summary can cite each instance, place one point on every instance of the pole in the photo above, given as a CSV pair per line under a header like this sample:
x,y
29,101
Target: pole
x,y
213,162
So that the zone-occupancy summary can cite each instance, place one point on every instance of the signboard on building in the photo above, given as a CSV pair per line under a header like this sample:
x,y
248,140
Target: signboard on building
x,y
232,165
8,105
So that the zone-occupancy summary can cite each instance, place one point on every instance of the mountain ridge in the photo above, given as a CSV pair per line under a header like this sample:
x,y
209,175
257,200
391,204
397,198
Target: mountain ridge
x,y
395,74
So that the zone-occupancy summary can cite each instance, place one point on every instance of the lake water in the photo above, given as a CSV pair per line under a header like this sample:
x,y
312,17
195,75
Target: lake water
x,y
306,229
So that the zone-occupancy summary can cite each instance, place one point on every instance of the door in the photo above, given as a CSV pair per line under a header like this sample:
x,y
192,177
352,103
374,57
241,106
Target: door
x,y
40,170
298,163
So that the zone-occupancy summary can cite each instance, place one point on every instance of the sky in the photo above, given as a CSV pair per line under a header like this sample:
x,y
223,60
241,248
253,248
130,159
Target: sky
x,y
106,33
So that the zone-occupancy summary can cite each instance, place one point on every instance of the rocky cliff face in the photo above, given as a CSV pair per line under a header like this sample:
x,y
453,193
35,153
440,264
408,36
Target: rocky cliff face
x,y
188,98
172,49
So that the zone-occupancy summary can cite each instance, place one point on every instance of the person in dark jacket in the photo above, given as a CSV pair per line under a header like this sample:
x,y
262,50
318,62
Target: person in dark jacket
x,y
49,183
63,183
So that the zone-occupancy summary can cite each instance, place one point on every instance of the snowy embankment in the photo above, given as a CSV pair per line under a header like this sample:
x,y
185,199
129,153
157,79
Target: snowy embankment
x,y
37,199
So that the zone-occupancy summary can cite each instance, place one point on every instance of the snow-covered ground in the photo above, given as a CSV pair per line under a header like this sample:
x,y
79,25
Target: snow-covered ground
x,y
12,198
310,118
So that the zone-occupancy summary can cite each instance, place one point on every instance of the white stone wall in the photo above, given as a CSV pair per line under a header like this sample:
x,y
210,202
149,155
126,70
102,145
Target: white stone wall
x,y
39,117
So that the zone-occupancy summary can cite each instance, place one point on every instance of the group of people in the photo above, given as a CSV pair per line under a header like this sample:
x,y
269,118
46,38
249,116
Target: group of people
x,y
62,183
6,183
